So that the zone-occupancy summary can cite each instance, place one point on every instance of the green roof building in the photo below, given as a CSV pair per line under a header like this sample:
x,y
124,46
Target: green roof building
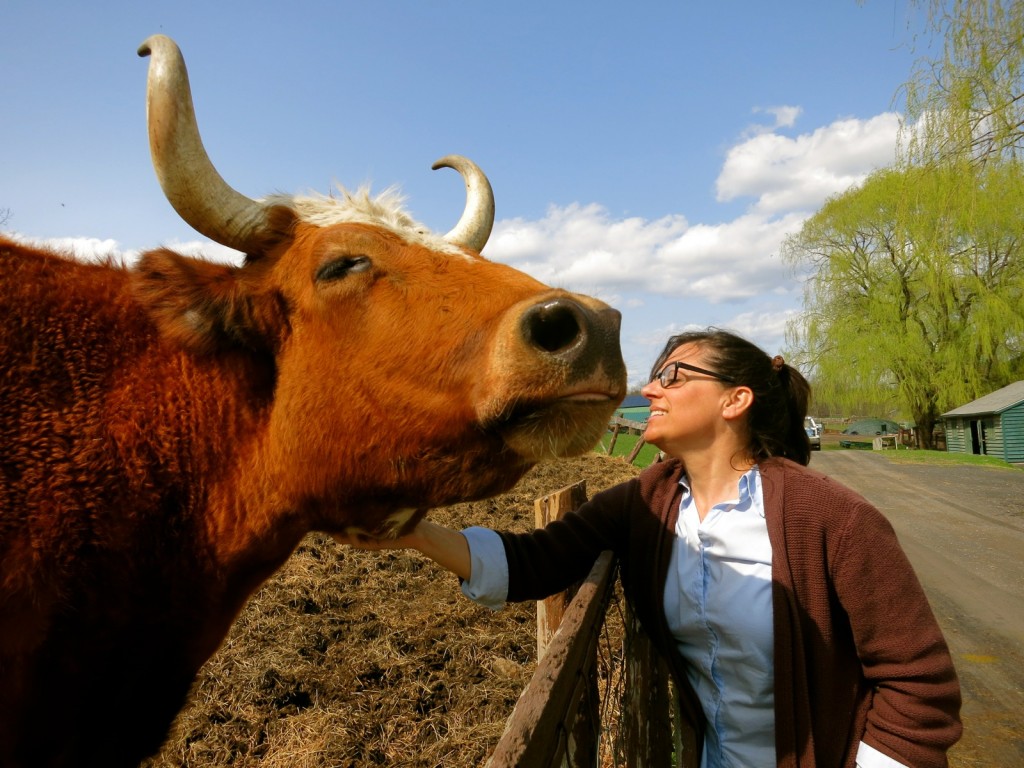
x,y
992,425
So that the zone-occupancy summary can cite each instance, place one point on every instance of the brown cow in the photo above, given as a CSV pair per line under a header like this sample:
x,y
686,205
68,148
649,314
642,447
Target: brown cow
x,y
169,432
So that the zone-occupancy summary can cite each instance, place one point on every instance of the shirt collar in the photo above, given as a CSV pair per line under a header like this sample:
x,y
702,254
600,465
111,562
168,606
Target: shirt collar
x,y
746,487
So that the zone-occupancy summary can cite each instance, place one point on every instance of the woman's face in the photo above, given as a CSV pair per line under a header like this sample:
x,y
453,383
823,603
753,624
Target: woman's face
x,y
687,414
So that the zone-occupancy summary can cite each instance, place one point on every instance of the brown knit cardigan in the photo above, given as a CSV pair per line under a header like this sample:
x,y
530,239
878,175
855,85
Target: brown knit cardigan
x,y
858,653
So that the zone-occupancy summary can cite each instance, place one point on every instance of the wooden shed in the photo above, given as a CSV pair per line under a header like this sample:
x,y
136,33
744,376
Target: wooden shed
x,y
992,425
634,407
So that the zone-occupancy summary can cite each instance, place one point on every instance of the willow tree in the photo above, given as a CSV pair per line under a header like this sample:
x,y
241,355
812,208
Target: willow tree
x,y
915,288
968,102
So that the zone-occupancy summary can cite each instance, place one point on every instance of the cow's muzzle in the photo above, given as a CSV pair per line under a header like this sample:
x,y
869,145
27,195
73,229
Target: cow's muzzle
x,y
575,335
555,375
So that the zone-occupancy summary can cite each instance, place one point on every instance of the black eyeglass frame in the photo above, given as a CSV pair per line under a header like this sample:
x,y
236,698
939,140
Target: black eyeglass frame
x,y
676,365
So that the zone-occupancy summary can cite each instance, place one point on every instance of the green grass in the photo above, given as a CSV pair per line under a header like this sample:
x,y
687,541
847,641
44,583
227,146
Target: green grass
x,y
624,445
903,455
942,458
858,445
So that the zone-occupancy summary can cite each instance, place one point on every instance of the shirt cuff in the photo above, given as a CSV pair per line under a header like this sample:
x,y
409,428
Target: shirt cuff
x,y
488,576
869,757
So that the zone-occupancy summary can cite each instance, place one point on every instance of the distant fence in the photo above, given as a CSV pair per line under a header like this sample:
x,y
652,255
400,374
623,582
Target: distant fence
x,y
627,425
576,712
618,425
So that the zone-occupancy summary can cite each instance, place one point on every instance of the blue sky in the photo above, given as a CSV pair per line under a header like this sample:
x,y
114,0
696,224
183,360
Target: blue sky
x,y
654,154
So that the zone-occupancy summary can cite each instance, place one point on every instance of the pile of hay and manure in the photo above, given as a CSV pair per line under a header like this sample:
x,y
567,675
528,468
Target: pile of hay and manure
x,y
351,658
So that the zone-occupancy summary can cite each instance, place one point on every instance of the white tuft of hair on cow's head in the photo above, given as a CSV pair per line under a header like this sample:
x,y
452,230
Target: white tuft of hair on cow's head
x,y
385,210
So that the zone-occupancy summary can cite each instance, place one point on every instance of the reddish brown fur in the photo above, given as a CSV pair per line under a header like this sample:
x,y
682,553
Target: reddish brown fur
x,y
169,433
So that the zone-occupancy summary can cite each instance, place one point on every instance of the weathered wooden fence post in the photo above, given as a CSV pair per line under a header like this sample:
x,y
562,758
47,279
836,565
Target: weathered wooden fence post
x,y
645,723
584,732
636,450
615,436
545,509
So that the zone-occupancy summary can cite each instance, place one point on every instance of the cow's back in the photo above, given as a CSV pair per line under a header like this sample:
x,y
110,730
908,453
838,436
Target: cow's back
x,y
79,511
65,328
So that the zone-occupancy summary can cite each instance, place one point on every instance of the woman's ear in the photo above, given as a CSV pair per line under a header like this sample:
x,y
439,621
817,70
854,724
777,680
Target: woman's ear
x,y
736,402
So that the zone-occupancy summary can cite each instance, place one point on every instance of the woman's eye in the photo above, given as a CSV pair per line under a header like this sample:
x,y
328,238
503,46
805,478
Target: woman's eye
x,y
339,268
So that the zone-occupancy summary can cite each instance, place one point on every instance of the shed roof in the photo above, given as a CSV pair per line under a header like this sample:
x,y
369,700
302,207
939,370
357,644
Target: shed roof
x,y
635,401
872,427
993,402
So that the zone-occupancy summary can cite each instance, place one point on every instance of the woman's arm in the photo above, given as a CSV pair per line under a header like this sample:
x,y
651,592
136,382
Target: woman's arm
x,y
915,709
445,546
518,566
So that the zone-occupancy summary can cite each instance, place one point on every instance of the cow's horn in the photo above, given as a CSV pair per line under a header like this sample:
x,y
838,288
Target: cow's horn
x,y
192,185
475,225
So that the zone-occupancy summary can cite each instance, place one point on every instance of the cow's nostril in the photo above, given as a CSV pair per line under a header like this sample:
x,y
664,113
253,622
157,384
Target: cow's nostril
x,y
553,326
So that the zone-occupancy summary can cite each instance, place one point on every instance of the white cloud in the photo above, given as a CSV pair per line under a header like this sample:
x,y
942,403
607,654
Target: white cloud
x,y
725,262
95,249
786,174
582,247
767,329
81,248
785,117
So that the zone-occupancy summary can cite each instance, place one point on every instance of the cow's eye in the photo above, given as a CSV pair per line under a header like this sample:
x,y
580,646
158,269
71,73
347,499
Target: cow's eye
x,y
339,268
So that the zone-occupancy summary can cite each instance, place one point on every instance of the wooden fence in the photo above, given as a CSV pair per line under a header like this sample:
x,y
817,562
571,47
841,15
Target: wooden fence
x,y
629,426
566,715
619,425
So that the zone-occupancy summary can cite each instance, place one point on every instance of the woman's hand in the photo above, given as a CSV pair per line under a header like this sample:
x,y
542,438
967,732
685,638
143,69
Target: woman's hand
x,y
445,546
365,541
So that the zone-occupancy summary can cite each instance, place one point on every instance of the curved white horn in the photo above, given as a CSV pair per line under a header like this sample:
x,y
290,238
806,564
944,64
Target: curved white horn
x,y
189,181
477,219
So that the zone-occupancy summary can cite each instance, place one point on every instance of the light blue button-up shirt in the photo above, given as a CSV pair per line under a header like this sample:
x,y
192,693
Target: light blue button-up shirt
x,y
718,602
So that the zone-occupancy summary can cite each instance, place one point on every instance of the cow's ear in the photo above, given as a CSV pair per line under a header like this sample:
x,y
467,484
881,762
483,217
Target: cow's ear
x,y
205,306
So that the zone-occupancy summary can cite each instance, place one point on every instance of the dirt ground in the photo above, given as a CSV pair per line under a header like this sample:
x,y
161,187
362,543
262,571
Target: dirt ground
x,y
349,658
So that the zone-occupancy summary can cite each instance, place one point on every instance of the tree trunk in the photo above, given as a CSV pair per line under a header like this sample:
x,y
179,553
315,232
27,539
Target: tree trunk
x,y
925,418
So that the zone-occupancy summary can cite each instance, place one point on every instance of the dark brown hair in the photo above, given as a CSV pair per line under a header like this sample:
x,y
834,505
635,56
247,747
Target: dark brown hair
x,y
781,393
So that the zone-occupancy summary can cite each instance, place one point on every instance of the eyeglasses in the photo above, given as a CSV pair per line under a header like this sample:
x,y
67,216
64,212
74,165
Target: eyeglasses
x,y
670,374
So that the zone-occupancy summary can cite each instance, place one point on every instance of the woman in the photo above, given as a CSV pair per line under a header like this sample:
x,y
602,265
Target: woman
x,y
791,619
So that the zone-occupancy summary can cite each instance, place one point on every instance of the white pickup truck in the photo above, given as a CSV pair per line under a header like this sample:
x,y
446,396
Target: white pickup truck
x,y
813,430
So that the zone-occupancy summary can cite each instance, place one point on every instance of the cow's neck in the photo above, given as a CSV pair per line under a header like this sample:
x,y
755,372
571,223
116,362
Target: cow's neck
x,y
216,449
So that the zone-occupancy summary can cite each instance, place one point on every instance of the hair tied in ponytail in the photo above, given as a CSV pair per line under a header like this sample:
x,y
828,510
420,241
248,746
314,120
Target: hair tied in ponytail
x,y
777,363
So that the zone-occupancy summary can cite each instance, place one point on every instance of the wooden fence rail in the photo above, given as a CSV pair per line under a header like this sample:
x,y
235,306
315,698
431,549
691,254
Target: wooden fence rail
x,y
558,718
553,723
629,426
